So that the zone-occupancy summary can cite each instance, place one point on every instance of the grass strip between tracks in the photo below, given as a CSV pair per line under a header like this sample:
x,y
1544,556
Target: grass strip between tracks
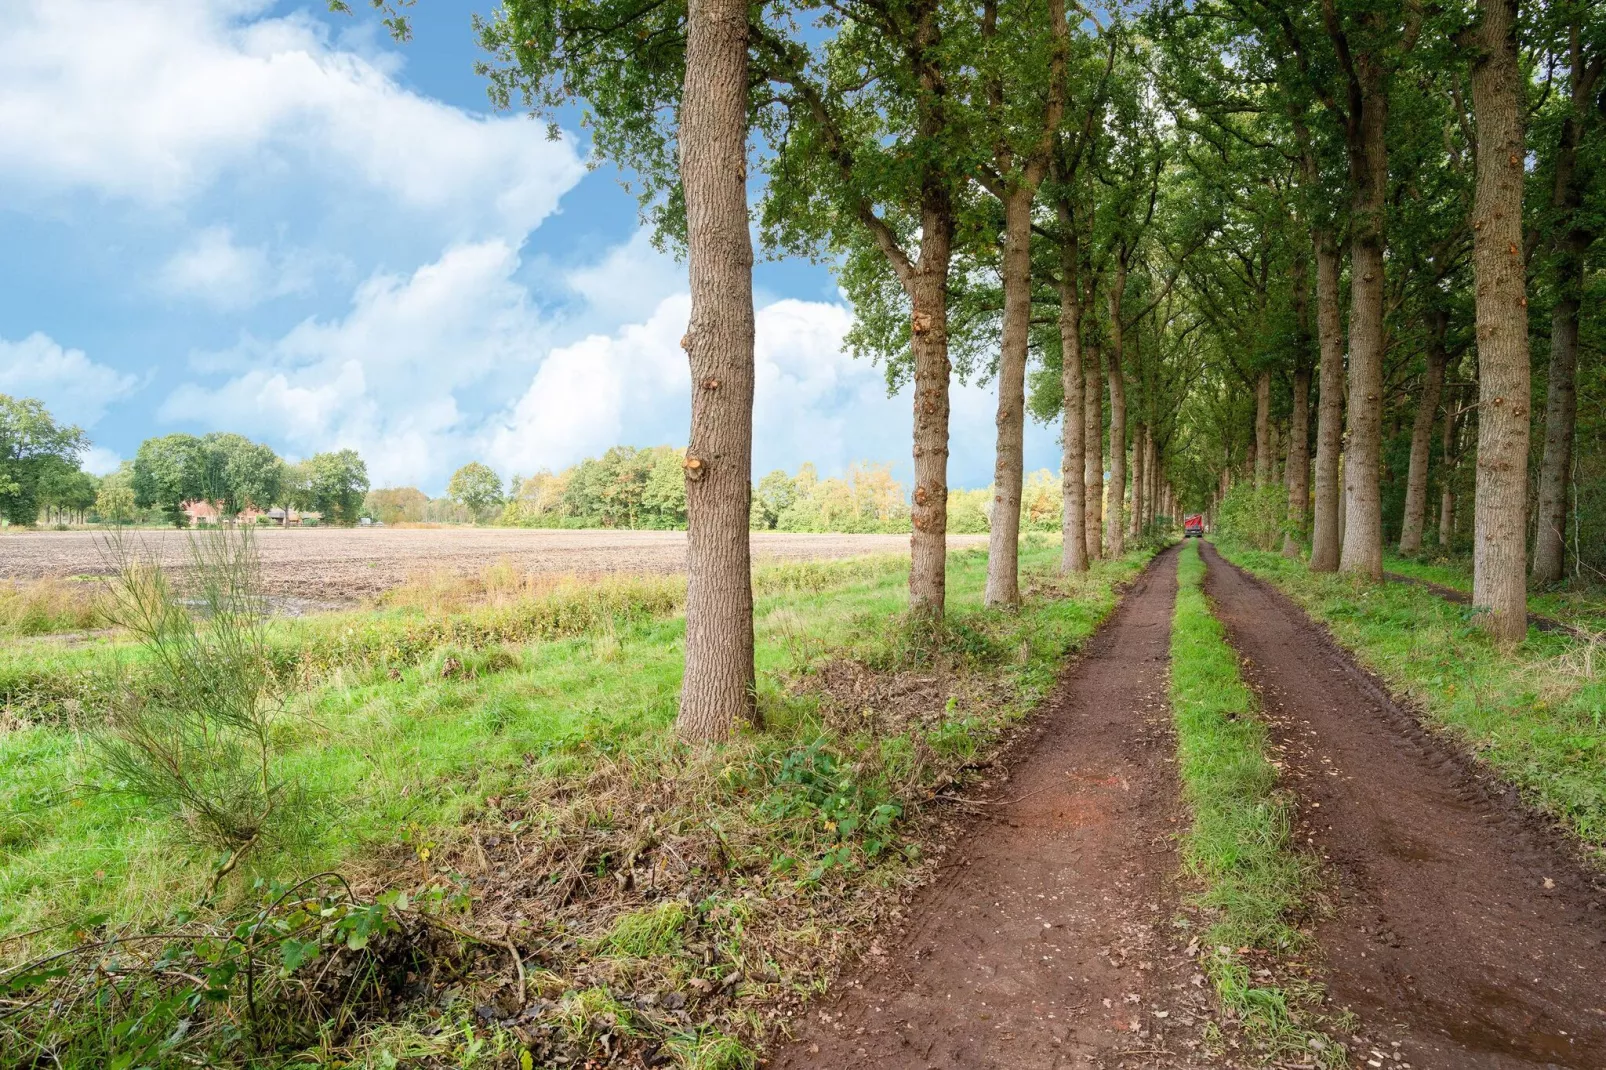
x,y
1256,887
1534,712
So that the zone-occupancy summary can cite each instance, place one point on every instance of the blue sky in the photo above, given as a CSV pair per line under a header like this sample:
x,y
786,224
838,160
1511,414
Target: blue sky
x,y
254,216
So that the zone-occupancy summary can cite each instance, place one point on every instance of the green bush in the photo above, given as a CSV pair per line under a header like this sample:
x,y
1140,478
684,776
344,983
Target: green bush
x,y
1253,517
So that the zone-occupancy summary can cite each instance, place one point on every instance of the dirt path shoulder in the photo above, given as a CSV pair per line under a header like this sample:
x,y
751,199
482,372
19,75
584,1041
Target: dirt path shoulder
x,y
1465,934
1046,941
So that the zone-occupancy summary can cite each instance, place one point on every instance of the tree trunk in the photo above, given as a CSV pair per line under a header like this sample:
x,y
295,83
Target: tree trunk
x,y
1298,474
1561,411
1003,539
1093,455
1115,528
718,687
1263,429
1325,538
1427,406
1561,390
928,538
1073,444
1499,573
1139,435
1447,466
1368,151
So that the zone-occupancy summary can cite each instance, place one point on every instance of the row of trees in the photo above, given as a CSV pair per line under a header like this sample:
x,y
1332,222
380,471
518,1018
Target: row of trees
x,y
645,489
1169,209
41,475
234,474
39,464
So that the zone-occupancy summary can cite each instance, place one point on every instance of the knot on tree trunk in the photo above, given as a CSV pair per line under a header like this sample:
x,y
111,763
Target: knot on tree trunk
x,y
710,383
921,497
920,322
696,469
685,341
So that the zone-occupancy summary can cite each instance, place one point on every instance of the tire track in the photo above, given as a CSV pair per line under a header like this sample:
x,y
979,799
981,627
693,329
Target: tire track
x,y
1464,931
1047,942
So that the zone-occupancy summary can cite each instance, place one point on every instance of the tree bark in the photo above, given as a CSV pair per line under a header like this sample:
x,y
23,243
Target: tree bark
x,y
1325,538
1073,444
1003,539
1368,167
1447,466
1561,390
1093,453
1298,474
718,686
1263,451
1115,528
1416,480
1139,436
928,537
1561,413
1499,572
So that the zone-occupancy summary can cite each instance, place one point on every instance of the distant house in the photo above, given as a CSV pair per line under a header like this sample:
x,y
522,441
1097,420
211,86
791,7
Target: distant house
x,y
202,512
295,517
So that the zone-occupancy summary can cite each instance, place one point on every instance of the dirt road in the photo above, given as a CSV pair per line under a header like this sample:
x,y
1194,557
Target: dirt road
x,y
1464,932
346,563
1046,941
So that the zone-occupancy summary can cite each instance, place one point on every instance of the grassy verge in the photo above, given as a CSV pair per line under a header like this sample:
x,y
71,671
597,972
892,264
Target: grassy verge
x,y
1536,713
654,900
1581,606
46,607
50,682
1256,887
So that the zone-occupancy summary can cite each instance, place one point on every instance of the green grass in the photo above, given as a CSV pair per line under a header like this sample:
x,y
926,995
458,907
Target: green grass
x,y
1256,888
407,751
1535,713
1581,606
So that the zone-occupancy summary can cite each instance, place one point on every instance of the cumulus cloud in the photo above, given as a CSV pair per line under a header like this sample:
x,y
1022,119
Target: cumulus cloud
x,y
384,379
215,270
152,100
76,389
455,362
99,461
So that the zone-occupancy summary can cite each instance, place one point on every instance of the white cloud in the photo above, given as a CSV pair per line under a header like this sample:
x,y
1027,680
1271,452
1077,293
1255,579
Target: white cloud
x,y
385,379
75,389
152,100
213,269
629,282
415,374
599,392
99,461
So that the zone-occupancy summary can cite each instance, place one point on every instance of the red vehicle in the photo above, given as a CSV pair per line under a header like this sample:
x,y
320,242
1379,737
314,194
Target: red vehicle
x,y
1193,526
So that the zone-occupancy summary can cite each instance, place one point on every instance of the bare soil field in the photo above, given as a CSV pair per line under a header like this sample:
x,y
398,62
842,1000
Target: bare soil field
x,y
337,564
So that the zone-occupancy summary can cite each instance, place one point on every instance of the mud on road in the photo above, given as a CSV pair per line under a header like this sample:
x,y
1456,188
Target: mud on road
x,y
337,564
1465,933
1047,938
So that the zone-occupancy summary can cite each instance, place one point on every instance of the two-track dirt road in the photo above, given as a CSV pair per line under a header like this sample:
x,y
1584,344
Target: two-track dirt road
x,y
1464,934
1047,939
1463,930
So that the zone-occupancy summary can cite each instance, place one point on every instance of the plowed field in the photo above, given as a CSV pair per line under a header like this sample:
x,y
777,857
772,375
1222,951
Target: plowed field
x,y
345,563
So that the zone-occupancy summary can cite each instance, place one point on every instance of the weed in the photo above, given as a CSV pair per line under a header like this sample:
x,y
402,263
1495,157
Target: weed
x,y
197,742
648,932
710,1049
